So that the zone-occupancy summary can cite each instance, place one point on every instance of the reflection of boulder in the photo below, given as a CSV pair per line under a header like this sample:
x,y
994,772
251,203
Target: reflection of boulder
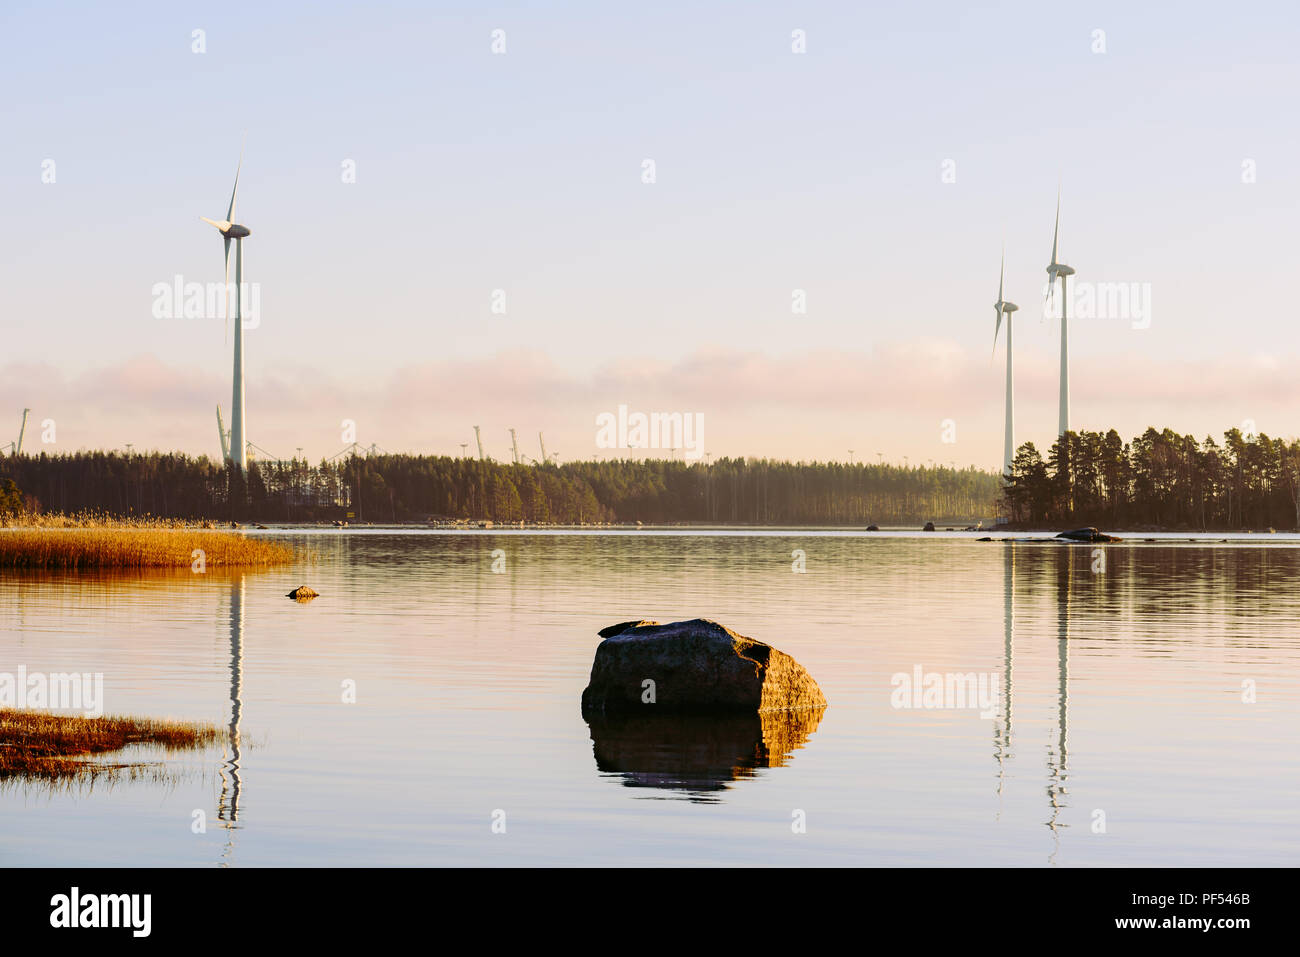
x,y
691,667
697,753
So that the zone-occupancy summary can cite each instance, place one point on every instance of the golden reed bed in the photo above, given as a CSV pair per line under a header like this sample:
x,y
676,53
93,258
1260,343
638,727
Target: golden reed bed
x,y
37,744
93,541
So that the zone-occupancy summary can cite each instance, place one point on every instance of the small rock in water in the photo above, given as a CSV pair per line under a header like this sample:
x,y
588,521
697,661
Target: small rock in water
x,y
1088,534
302,593
929,527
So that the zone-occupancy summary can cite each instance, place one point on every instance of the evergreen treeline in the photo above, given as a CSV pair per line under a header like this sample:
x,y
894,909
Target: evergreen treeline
x,y
1160,479
386,488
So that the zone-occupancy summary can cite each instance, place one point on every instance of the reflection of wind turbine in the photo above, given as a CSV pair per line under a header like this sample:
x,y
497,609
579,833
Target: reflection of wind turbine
x,y
231,230
1002,735
1002,307
1055,269
228,803
1058,761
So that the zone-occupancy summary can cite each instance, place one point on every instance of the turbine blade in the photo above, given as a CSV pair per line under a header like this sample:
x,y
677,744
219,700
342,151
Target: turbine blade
x,y
230,213
223,226
997,328
239,276
227,290
1002,275
1056,231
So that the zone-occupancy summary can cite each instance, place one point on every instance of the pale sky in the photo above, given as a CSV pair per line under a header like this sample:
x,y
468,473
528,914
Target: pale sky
x,y
775,171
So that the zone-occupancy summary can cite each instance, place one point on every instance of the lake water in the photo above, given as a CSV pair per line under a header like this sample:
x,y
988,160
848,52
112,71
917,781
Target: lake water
x,y
1124,733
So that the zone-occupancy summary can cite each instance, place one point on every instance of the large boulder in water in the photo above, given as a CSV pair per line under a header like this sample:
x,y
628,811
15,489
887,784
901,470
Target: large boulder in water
x,y
697,666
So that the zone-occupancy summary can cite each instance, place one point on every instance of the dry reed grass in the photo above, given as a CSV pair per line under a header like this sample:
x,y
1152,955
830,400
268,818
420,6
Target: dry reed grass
x,y
96,520
101,541
38,745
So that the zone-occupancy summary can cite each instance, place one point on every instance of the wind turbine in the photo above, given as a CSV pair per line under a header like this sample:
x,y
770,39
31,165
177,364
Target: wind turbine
x,y
1055,269
229,229
17,448
1004,308
223,435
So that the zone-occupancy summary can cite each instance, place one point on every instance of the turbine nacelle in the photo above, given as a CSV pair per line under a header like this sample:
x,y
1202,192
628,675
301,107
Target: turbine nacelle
x,y
1002,308
1059,269
228,229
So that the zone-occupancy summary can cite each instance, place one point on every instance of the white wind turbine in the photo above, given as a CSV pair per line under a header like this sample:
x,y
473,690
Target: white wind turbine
x,y
229,230
1055,269
1000,308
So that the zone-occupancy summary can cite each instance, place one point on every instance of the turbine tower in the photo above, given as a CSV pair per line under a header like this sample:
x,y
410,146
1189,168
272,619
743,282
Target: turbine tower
x,y
479,439
514,446
1055,269
1003,307
542,442
18,449
229,230
223,435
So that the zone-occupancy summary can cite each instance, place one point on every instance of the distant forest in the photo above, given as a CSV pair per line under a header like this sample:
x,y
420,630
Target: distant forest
x,y
1158,480
404,488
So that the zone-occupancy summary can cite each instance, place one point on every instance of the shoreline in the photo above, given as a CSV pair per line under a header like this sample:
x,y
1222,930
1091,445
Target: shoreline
x,y
984,536
954,529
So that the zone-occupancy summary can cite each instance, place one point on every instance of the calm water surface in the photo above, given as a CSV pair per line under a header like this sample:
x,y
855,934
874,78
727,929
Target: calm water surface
x,y
1125,701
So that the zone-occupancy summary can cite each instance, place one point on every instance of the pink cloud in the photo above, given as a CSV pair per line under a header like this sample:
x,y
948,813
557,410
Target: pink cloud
x,y
811,404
